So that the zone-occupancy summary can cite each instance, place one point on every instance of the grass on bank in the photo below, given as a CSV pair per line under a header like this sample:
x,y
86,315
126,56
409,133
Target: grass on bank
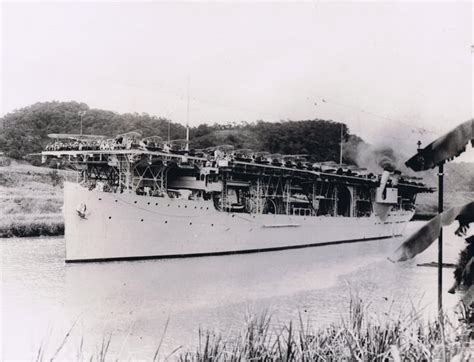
x,y
361,336
31,225
31,199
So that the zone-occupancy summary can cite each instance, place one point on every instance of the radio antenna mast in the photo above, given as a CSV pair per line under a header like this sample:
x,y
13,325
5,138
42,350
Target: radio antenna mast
x,y
340,152
169,131
187,120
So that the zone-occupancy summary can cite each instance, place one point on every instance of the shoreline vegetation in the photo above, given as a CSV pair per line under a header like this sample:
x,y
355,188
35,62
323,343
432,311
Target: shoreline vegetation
x,y
361,336
31,200
50,225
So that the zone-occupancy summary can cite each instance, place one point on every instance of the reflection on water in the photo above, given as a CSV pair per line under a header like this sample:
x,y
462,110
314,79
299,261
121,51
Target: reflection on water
x,y
42,297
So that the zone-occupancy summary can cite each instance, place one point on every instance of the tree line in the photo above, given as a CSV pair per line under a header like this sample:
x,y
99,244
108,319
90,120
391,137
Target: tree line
x,y
26,130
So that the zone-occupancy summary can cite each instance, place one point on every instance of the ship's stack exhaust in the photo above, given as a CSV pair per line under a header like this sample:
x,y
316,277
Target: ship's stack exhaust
x,y
384,179
396,177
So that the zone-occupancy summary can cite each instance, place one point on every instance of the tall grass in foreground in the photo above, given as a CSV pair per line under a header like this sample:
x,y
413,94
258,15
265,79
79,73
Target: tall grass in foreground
x,y
359,337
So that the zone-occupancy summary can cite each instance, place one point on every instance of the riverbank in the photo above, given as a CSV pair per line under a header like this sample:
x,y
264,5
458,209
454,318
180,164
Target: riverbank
x,y
31,200
32,225
362,336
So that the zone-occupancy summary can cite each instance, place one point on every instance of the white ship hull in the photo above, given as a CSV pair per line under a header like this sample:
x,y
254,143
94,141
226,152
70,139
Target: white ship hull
x,y
128,226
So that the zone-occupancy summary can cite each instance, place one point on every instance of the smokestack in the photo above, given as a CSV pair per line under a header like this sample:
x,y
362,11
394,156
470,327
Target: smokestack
x,y
384,178
396,177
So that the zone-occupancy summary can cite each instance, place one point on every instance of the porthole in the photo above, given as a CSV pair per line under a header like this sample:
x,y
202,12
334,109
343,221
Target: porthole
x,y
116,200
110,217
148,203
190,223
135,202
156,204
212,224
185,206
100,199
166,222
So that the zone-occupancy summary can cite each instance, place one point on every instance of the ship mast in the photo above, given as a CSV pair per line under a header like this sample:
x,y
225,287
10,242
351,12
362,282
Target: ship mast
x,y
169,131
187,120
340,152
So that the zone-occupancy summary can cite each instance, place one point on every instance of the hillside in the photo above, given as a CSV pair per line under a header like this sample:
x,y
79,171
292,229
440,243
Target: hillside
x,y
459,176
458,186
25,131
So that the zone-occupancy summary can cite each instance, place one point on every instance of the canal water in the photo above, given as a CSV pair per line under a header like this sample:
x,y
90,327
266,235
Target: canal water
x,y
42,298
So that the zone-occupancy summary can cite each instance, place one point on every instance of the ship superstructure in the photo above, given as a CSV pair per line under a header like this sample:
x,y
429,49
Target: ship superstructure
x,y
143,198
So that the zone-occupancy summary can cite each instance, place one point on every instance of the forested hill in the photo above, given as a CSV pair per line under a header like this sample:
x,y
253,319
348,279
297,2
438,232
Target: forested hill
x,y
25,131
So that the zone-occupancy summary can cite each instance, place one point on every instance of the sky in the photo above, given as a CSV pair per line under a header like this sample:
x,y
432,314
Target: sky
x,y
394,72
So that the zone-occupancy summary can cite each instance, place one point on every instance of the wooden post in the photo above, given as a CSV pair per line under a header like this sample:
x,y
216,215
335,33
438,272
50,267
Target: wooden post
x,y
440,240
440,258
